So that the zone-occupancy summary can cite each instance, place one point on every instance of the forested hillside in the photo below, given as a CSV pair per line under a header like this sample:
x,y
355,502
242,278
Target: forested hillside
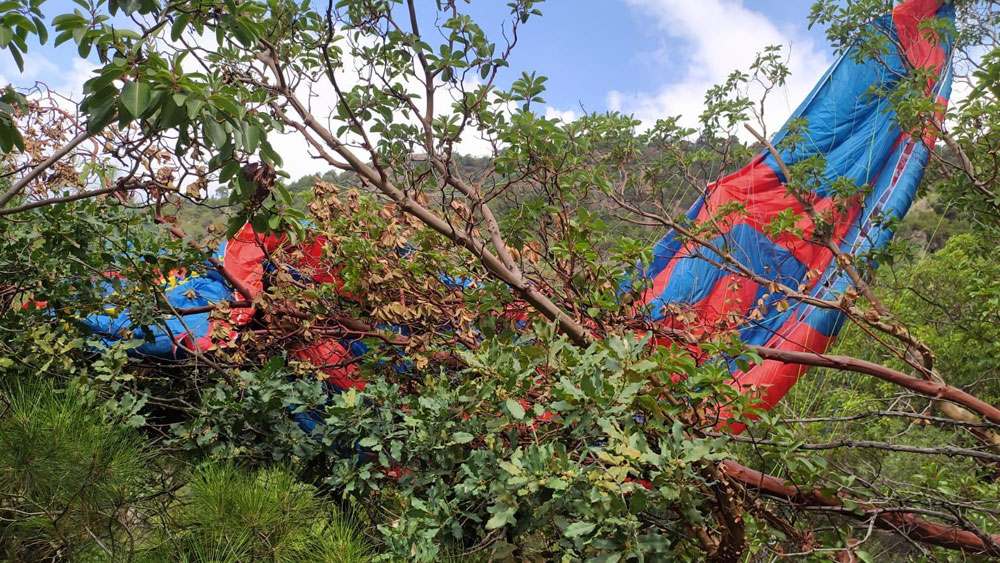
x,y
419,355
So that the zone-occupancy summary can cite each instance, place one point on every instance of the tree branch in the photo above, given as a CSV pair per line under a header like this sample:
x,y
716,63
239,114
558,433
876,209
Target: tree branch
x,y
55,200
931,389
897,520
45,165
949,451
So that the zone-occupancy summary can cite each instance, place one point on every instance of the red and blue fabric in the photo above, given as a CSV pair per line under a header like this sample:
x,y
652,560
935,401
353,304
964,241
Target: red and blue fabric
x,y
850,122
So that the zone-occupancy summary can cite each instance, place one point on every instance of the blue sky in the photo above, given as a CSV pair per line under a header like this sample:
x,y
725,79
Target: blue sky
x,y
650,58
589,48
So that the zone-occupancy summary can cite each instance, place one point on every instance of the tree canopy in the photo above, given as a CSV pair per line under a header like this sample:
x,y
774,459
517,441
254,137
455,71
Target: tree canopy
x,y
513,402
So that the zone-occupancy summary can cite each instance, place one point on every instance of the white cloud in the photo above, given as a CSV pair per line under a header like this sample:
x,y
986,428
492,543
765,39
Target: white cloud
x,y
713,38
72,86
66,79
36,69
565,116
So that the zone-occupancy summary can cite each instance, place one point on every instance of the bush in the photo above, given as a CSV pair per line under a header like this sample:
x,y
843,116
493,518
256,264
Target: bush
x,y
534,452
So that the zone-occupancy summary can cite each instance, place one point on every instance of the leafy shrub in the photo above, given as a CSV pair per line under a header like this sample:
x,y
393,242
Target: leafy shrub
x,y
535,451
252,416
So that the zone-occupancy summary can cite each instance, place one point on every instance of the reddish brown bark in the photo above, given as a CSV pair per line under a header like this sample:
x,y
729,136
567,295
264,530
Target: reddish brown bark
x,y
908,524
928,388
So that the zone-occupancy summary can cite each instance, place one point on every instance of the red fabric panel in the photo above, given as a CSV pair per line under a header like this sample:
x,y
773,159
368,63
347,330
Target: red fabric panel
x,y
922,50
326,354
242,260
773,379
724,309
922,47
763,196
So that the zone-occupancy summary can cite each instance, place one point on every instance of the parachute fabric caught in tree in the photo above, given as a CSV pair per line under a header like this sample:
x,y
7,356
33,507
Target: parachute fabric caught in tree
x,y
766,239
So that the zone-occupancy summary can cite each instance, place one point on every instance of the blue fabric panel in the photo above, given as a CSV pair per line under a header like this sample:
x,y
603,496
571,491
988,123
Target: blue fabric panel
x,y
669,245
845,122
694,277
196,292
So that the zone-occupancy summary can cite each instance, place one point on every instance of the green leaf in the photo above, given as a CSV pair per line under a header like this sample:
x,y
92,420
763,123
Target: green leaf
x,y
6,137
229,170
556,484
577,529
177,29
268,153
696,452
43,33
501,516
170,114
251,138
193,105
462,437
229,106
215,132
62,37
259,223
18,59
515,409
135,98
103,114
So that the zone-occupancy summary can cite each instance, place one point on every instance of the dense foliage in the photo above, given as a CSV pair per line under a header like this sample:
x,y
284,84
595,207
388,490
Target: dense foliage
x,y
515,405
